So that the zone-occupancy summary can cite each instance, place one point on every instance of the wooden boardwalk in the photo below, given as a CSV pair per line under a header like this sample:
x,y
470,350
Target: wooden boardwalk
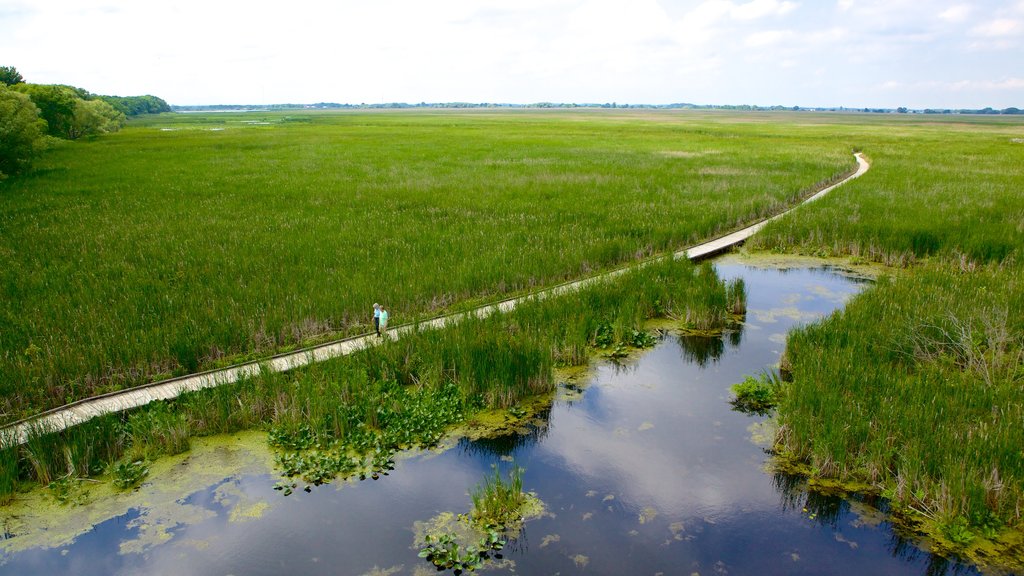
x,y
83,410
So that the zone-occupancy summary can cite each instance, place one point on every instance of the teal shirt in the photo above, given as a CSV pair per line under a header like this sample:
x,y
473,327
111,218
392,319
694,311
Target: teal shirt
x,y
383,316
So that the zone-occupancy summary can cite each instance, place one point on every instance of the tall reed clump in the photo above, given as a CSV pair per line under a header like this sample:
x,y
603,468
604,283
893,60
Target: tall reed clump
x,y
349,415
497,501
158,429
917,386
82,451
10,473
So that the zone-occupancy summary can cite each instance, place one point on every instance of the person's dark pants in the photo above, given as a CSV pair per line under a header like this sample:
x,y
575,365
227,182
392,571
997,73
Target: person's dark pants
x,y
376,325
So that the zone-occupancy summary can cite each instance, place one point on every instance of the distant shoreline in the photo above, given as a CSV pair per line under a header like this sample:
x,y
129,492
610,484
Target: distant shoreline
x,y
550,105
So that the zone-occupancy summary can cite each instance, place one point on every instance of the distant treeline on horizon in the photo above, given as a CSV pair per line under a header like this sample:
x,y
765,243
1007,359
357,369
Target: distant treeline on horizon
x,y
676,106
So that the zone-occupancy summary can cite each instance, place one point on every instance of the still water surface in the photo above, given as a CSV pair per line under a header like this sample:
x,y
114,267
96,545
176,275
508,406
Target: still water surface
x,y
647,471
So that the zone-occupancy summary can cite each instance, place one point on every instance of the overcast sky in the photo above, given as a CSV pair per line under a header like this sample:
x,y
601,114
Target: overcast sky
x,y
855,53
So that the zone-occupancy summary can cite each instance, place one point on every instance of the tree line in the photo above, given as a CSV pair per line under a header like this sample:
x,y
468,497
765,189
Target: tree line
x,y
31,115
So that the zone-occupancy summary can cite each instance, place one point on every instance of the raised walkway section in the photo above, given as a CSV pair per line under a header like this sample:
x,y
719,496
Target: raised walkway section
x,y
84,410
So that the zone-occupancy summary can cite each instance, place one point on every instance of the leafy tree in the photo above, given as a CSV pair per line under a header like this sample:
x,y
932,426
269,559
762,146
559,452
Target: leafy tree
x,y
135,105
92,117
56,105
9,76
72,112
21,131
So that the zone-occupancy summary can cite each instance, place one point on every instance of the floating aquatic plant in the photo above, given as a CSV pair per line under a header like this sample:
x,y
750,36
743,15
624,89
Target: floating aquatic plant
x,y
129,474
757,395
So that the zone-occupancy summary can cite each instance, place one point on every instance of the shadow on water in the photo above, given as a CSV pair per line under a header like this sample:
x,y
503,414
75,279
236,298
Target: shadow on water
x,y
704,350
826,509
833,510
505,445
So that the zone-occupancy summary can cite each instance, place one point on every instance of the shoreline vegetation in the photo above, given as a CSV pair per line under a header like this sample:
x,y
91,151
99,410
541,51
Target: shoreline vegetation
x,y
916,388
349,415
914,391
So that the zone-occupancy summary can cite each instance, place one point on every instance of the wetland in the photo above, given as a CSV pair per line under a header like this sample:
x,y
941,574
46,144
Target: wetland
x,y
120,265
640,463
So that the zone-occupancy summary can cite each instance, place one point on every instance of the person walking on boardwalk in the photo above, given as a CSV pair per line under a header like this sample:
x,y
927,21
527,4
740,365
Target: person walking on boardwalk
x,y
383,327
376,318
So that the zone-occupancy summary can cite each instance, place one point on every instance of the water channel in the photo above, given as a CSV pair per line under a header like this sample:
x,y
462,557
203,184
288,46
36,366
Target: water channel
x,y
642,465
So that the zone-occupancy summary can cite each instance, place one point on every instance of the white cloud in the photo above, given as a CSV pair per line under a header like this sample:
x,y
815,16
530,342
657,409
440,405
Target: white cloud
x,y
707,51
999,27
760,8
713,12
1012,83
956,14
767,38
835,35
1004,84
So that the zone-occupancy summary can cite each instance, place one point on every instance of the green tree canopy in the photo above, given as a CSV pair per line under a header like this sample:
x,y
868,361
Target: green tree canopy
x,y
21,131
56,105
72,112
135,105
9,76
93,117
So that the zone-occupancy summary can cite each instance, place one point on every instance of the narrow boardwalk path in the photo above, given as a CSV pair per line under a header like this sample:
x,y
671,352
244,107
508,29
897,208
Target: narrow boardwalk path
x,y
84,410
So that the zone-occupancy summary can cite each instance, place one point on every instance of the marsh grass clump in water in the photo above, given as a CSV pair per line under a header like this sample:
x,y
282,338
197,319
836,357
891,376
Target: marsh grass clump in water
x,y
497,502
716,309
499,509
736,297
757,395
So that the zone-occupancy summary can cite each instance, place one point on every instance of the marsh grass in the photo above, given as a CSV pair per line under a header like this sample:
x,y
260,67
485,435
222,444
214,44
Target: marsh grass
x,y
157,431
757,395
348,416
947,190
153,253
499,508
498,501
10,470
917,387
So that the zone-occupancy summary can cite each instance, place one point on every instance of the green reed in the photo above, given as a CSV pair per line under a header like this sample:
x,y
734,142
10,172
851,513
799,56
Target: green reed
x,y
348,416
498,501
946,189
151,253
917,386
